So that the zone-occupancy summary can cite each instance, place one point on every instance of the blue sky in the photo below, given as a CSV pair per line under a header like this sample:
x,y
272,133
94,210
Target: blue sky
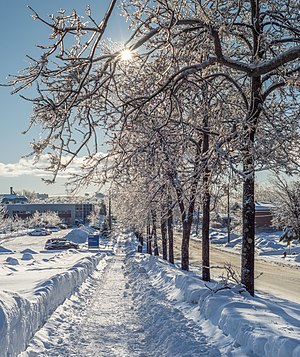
x,y
19,34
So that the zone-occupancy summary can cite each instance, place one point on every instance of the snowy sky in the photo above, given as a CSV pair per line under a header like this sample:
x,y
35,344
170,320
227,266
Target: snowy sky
x,y
19,35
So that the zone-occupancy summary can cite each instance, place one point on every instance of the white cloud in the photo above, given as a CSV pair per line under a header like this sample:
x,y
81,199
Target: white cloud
x,y
28,167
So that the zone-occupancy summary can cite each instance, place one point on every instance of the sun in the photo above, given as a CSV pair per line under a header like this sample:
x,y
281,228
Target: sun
x,y
126,55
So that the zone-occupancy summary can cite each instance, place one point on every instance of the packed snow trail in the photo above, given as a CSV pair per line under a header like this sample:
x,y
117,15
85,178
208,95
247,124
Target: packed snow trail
x,y
117,312
99,322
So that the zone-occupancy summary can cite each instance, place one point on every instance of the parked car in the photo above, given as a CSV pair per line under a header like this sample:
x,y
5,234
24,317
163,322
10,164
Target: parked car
x,y
52,228
95,227
40,232
63,226
60,243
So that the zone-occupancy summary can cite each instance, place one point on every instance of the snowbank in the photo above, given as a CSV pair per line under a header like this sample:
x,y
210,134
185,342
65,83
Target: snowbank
x,y
11,261
267,246
29,251
5,250
27,256
78,235
255,325
20,318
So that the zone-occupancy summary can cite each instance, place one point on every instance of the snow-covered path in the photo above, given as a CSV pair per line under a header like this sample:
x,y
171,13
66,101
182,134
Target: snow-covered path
x,y
136,305
98,321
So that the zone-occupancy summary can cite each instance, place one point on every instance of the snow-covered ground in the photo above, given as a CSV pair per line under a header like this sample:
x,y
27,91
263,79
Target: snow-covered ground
x,y
117,302
267,246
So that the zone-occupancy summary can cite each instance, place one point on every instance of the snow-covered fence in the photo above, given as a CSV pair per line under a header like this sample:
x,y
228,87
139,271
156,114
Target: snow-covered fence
x,y
20,318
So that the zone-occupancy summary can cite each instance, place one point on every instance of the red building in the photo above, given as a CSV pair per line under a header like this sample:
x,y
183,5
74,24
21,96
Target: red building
x,y
263,215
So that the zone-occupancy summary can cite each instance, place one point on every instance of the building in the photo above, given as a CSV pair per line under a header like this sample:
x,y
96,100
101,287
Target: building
x,y
70,213
12,198
42,196
263,215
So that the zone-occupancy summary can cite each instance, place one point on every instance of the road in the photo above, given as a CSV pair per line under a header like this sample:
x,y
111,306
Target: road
x,y
280,281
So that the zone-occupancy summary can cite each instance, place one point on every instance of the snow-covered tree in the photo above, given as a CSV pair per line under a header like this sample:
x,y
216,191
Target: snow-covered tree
x,y
286,212
253,45
94,217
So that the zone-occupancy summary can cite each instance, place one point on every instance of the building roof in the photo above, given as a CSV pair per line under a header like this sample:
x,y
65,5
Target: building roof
x,y
13,196
263,206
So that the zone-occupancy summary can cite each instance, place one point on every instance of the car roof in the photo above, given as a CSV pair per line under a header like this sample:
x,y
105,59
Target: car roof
x,y
57,239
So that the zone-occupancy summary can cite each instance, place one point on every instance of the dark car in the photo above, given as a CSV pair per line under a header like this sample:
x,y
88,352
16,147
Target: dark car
x,y
63,226
60,243
40,232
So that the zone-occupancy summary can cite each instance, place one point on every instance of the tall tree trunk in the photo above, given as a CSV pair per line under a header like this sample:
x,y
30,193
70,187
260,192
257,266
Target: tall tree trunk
x,y
206,204
163,228
205,235
248,243
141,239
187,226
149,238
186,230
170,233
197,221
154,233
247,264
187,213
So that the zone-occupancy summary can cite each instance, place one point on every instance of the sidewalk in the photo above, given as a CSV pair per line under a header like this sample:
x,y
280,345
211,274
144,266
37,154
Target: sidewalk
x,y
99,320
141,306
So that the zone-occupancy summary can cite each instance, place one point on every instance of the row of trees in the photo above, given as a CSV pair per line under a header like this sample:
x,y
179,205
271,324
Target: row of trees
x,y
38,219
209,97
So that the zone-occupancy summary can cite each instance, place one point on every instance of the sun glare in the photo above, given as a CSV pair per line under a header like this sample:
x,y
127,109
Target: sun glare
x,y
126,55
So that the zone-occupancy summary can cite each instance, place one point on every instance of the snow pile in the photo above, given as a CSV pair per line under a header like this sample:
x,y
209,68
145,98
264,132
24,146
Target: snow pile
x,y
78,235
267,245
27,256
5,250
12,261
20,317
27,250
254,325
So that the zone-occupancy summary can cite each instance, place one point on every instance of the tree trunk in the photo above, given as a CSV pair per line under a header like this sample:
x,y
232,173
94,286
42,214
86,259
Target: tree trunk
x,y
171,234
248,243
186,225
205,236
247,264
197,221
109,213
149,238
206,205
154,233
163,228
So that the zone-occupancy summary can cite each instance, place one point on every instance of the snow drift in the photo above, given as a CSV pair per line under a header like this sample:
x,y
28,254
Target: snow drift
x,y
20,318
5,250
232,311
78,235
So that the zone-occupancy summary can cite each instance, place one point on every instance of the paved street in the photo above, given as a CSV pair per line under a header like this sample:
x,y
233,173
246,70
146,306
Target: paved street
x,y
278,280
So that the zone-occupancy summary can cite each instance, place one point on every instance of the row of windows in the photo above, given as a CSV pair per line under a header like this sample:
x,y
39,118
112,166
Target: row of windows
x,y
44,211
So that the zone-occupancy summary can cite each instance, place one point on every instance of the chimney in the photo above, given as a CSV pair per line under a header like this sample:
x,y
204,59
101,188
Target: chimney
x,y
11,191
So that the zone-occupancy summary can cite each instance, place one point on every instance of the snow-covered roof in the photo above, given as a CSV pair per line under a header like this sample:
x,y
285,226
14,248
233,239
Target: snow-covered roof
x,y
263,206
13,197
